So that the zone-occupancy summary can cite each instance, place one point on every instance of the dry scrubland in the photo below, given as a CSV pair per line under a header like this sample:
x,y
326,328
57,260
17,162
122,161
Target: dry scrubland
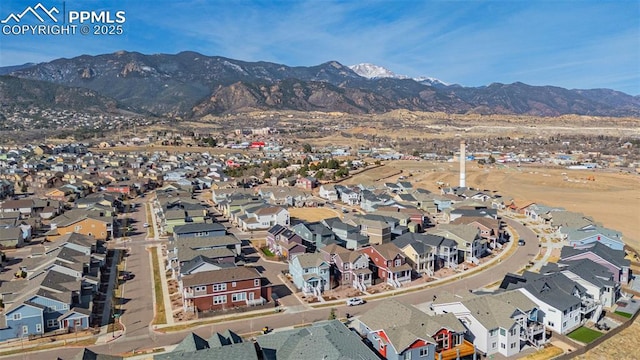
x,y
624,346
613,199
313,214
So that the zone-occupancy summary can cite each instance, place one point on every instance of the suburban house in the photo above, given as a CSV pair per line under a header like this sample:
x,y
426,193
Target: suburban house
x,y
538,212
348,267
563,303
310,273
590,234
90,223
419,253
471,246
595,278
219,249
328,192
322,340
263,218
347,195
315,235
377,230
225,345
11,236
346,234
199,230
614,260
388,263
491,230
307,183
282,241
500,323
399,331
223,289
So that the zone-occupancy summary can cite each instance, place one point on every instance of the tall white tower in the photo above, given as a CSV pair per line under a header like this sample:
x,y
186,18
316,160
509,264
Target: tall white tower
x,y
463,159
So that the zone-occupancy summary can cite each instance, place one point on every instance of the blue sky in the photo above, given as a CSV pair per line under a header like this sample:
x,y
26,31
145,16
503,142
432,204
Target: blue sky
x,y
572,44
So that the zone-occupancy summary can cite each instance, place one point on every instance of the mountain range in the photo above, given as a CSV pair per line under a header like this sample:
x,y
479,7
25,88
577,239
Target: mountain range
x,y
191,85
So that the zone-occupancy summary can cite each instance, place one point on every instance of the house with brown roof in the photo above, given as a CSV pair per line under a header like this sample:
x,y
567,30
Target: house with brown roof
x,y
401,331
83,222
388,264
348,267
224,289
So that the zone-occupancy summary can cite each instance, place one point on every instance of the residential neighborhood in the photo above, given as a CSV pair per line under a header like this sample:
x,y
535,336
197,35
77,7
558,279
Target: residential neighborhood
x,y
221,246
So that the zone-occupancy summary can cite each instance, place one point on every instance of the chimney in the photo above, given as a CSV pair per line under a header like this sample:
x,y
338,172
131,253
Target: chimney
x,y
463,159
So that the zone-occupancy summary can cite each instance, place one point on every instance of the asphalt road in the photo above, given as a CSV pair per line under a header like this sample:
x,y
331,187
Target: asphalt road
x,y
139,310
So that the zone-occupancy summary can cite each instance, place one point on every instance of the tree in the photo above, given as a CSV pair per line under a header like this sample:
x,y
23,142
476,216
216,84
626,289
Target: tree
x,y
491,159
306,147
320,175
416,153
332,314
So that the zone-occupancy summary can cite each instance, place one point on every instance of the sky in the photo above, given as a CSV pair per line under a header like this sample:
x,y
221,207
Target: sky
x,y
572,44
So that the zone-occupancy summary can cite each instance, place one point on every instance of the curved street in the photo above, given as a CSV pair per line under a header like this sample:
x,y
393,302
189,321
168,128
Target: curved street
x,y
139,301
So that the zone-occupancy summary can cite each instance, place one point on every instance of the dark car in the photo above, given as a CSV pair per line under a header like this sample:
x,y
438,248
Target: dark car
x,y
521,242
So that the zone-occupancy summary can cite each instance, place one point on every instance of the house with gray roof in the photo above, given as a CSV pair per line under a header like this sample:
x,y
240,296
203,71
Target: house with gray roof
x,y
327,340
587,235
310,273
471,246
564,304
501,323
614,260
595,278
401,331
221,346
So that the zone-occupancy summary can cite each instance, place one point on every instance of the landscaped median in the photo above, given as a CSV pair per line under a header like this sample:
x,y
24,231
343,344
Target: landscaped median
x,y
160,314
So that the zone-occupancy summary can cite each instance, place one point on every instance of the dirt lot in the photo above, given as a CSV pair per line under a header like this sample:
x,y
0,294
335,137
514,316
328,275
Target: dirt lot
x,y
313,214
612,199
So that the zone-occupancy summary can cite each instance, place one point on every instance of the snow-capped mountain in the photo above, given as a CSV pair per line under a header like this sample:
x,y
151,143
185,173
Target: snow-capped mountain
x,y
372,71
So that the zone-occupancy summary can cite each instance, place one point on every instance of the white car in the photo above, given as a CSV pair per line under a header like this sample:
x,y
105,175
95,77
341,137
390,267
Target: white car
x,y
354,301
146,225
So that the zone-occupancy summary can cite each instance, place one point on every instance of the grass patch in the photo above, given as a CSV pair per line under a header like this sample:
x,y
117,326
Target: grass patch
x,y
584,335
215,321
624,314
267,252
82,343
151,232
161,316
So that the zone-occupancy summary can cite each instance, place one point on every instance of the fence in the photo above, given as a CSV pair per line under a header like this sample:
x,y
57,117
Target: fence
x,y
581,350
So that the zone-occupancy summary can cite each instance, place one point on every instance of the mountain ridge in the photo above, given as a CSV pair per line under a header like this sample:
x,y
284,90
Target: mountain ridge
x,y
189,84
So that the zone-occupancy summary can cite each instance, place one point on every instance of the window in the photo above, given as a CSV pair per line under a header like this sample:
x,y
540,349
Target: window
x,y
219,287
200,288
493,332
38,328
78,228
424,352
256,282
51,323
398,262
564,324
233,284
503,332
512,332
239,297
502,345
407,355
17,316
576,318
346,276
25,330
513,346
220,299
493,345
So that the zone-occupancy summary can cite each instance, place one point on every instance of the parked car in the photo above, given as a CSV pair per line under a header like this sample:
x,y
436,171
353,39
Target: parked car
x,y
127,276
146,225
355,301
521,242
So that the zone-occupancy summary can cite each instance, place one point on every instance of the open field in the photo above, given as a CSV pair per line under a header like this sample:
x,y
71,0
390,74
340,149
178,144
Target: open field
x,y
613,199
313,214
